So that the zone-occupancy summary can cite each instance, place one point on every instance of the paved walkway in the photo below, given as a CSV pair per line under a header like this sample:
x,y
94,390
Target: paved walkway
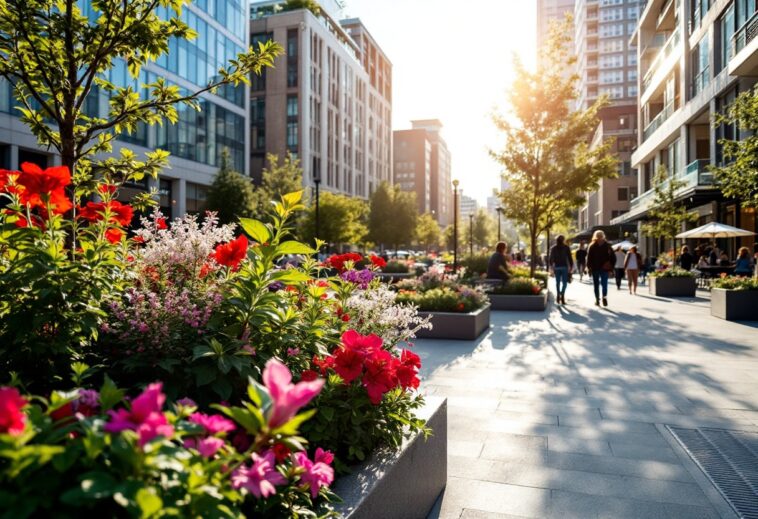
x,y
559,414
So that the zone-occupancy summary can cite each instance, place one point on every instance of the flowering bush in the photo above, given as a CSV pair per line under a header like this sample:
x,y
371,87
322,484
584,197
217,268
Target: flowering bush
x,y
673,272
519,286
522,272
445,299
98,454
396,267
735,283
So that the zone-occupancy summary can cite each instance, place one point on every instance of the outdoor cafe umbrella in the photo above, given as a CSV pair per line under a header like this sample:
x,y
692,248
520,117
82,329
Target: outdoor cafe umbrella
x,y
625,245
715,230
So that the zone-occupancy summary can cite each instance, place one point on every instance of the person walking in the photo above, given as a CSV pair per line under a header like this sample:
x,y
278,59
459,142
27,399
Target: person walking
x,y
562,264
581,259
600,261
619,265
632,265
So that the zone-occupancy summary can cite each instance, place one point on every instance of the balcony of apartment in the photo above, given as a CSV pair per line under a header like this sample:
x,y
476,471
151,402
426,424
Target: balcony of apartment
x,y
659,111
665,58
694,176
666,20
744,49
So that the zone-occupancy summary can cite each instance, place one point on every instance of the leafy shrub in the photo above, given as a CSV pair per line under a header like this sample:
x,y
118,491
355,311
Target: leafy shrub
x,y
735,283
519,286
476,265
445,299
523,272
396,267
673,272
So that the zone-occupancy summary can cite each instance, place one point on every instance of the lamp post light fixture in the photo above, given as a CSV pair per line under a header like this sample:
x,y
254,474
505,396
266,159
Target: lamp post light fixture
x,y
499,219
455,225
317,181
471,234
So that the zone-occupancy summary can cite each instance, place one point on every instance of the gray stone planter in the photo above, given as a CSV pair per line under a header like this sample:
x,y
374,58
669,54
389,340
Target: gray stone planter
x,y
402,484
734,305
451,325
393,278
521,303
673,287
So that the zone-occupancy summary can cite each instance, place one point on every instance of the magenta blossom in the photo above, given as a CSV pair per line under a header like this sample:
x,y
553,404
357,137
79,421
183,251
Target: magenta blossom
x,y
317,473
261,478
207,447
145,416
287,398
213,424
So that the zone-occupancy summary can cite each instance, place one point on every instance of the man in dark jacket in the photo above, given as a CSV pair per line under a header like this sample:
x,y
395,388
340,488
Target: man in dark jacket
x,y
600,261
562,264
497,267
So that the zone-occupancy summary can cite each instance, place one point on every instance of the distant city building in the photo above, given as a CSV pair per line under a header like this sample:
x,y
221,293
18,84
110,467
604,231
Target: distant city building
x,y
197,139
422,164
467,206
607,65
549,11
328,100
694,58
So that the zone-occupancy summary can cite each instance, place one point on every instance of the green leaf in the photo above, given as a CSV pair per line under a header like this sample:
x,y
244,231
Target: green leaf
x,y
294,198
110,395
255,229
148,502
290,276
293,247
291,428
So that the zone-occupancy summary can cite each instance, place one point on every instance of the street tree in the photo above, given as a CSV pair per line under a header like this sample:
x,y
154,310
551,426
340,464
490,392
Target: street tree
x,y
667,215
342,220
279,178
393,216
428,232
738,177
485,229
56,56
231,194
546,158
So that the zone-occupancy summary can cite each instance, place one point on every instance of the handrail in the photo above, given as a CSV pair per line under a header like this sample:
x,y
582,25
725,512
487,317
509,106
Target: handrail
x,y
744,35
664,53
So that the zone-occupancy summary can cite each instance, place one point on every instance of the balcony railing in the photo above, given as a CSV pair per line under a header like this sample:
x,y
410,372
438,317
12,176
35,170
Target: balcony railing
x,y
745,35
664,11
700,81
658,120
664,53
695,174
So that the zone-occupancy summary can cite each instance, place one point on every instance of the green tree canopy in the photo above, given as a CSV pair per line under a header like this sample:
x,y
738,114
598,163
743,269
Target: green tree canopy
x,y
484,227
393,216
546,159
279,178
342,220
738,177
56,56
666,217
231,195
428,232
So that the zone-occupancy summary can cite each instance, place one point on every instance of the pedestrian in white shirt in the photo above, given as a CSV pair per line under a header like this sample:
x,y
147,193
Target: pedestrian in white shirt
x,y
632,264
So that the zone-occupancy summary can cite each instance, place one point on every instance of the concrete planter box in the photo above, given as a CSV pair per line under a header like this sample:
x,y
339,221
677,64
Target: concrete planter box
x,y
518,303
673,287
734,305
451,325
394,278
402,484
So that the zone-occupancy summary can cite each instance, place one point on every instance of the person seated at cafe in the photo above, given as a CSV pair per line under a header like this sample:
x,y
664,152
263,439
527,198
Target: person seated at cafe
x,y
724,260
744,264
713,256
686,259
703,262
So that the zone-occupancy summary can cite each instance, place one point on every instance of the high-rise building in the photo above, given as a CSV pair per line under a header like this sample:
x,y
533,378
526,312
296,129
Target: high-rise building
x,y
607,66
467,206
549,11
694,58
422,164
197,140
328,100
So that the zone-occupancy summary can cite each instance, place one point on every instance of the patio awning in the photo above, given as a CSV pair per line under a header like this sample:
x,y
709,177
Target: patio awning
x,y
715,230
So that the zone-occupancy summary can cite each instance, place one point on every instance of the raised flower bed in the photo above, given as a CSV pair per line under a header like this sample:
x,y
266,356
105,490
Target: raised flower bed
x,y
519,294
393,271
673,282
735,299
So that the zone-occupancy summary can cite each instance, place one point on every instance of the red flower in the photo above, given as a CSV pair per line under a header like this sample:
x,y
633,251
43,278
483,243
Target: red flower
x,y
206,269
50,183
63,412
6,178
323,364
406,370
364,344
338,261
461,307
345,318
121,213
348,364
379,377
12,417
106,189
92,212
114,235
308,375
161,224
377,261
535,289
139,239
232,253
281,452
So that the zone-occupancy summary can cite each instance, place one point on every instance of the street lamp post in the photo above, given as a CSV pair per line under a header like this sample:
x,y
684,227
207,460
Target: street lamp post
x,y
471,234
455,226
499,218
317,181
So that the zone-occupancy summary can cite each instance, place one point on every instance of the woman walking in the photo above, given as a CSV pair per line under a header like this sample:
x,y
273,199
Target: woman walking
x,y
619,265
632,265
561,263
581,260
600,261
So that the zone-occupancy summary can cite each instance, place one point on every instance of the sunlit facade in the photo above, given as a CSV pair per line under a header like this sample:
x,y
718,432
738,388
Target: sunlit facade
x,y
196,141
694,59
328,100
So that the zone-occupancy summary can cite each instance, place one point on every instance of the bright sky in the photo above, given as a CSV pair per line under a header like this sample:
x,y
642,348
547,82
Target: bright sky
x,y
452,60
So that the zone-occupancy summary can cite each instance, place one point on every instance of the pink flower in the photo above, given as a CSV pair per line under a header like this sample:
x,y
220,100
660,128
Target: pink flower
x,y
287,398
207,447
213,424
145,416
293,351
261,478
12,417
317,473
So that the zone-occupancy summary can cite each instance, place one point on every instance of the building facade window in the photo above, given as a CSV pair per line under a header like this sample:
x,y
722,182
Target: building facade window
x,y
292,57
700,66
196,197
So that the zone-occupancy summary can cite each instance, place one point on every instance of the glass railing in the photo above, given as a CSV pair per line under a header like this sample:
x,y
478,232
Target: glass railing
x,y
663,12
745,35
695,174
664,53
658,120
700,81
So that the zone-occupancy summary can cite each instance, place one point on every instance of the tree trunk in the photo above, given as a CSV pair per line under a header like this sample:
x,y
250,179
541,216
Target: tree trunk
x,y
533,247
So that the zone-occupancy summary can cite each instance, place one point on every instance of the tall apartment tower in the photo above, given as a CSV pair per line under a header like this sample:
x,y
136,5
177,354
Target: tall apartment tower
x,y
607,66
328,101
694,58
422,164
197,139
549,11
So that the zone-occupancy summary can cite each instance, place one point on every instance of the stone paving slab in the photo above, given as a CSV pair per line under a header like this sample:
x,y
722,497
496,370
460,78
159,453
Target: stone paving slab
x,y
559,414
